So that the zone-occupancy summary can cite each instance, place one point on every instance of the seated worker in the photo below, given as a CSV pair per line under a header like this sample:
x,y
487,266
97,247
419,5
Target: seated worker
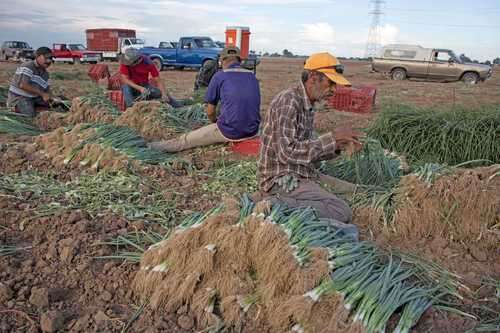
x,y
237,90
136,71
30,86
286,171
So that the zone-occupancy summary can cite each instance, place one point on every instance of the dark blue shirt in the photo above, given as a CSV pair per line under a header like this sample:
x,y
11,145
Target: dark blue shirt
x,y
238,92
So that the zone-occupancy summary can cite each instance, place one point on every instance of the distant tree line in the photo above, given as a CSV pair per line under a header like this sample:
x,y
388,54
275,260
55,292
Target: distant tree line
x,y
288,54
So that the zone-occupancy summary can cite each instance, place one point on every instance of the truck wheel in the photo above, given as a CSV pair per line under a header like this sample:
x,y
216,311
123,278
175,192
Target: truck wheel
x,y
158,64
470,78
398,74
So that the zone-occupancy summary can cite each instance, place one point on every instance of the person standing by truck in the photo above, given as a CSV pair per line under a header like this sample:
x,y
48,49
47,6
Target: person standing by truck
x,y
141,80
30,85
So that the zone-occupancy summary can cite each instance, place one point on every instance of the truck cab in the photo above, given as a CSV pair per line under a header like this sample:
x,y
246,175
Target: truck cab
x,y
126,43
74,54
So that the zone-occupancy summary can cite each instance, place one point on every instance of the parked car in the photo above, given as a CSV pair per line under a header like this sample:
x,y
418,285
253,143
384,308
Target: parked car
x,y
413,61
74,54
16,50
112,42
190,52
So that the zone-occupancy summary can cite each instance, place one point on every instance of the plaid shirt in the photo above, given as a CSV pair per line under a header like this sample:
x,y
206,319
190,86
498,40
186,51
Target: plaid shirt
x,y
288,145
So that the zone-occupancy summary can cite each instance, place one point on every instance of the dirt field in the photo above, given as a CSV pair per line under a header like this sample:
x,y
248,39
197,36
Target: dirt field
x,y
56,282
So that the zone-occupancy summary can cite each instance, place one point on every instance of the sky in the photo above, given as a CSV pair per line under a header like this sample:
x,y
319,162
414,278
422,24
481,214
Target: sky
x,y
301,26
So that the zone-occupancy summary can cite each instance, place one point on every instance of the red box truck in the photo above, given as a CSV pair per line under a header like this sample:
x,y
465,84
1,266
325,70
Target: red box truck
x,y
112,42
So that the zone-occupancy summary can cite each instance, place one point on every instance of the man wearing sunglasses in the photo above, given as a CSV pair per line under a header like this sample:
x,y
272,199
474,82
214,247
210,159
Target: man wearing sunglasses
x,y
30,87
286,171
141,80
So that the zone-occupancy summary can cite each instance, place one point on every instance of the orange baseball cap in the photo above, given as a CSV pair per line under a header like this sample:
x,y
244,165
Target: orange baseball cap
x,y
327,64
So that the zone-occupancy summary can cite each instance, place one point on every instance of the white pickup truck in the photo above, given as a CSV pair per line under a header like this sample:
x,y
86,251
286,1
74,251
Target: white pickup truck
x,y
413,61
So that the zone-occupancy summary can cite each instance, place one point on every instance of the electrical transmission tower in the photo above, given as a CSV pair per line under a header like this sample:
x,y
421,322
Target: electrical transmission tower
x,y
374,35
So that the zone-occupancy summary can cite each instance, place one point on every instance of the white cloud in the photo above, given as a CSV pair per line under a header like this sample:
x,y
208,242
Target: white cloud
x,y
388,34
320,33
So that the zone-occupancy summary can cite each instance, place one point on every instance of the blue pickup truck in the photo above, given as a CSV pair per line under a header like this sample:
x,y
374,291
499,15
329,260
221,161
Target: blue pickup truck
x,y
190,52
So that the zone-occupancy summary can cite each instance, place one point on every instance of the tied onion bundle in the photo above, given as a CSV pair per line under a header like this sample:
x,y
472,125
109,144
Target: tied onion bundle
x,y
122,139
185,118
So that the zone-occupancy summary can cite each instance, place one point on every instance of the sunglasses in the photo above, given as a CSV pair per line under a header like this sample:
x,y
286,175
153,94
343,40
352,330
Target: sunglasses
x,y
48,59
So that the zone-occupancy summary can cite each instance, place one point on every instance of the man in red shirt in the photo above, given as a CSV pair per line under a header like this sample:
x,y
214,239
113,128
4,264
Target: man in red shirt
x,y
135,70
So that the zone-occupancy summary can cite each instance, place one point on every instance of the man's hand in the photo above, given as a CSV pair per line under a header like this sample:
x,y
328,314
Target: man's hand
x,y
347,139
211,113
212,117
46,97
165,98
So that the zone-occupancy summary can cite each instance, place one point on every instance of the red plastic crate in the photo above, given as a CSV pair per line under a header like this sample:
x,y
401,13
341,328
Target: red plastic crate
x,y
114,82
250,147
116,96
358,100
98,71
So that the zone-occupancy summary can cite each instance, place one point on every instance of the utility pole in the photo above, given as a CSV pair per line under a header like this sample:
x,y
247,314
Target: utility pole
x,y
374,35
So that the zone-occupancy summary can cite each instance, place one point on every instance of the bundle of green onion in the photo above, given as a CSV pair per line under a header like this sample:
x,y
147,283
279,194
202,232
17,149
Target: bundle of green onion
x,y
131,196
123,140
439,136
185,118
371,166
97,98
375,284
4,91
18,124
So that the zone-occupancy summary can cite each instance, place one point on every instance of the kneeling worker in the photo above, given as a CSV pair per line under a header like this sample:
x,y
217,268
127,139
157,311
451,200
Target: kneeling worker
x,y
30,86
135,70
286,168
237,89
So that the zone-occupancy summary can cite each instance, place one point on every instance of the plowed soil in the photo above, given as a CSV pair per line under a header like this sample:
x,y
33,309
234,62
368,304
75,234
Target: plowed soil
x,y
56,282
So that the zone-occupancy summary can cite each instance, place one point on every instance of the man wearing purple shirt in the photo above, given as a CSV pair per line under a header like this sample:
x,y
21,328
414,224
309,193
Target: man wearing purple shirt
x,y
237,91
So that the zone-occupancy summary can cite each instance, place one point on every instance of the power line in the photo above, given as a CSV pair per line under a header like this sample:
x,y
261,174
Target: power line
x,y
444,11
449,25
374,34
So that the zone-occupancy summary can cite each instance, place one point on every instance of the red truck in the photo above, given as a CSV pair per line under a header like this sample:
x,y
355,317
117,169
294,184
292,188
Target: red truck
x,y
74,54
112,42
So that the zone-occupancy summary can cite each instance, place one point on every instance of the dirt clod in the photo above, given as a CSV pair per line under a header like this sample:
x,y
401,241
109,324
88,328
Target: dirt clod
x,y
52,321
39,297
5,293
185,322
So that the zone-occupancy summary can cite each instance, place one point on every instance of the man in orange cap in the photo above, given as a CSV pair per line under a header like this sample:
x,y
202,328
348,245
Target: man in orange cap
x,y
286,171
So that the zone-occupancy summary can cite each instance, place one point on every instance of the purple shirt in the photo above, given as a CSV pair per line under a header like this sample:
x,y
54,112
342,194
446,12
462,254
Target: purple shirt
x,y
238,91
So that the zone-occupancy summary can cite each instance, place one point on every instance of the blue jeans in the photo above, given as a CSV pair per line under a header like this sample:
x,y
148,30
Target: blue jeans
x,y
26,105
130,94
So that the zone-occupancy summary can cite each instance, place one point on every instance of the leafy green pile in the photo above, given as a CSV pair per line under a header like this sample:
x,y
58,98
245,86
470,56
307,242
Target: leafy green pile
x,y
18,124
439,136
133,197
232,177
